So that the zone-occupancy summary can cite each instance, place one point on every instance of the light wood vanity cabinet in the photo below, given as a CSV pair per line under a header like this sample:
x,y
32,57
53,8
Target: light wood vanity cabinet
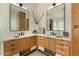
x,y
24,43
63,47
33,41
52,44
20,45
43,41
27,42
11,47
58,46
75,29
46,42
40,41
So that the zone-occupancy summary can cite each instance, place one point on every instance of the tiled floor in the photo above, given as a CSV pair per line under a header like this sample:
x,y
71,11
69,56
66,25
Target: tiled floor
x,y
36,53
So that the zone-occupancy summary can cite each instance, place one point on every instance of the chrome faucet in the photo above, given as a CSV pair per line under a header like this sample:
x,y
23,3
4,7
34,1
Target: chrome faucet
x,y
53,33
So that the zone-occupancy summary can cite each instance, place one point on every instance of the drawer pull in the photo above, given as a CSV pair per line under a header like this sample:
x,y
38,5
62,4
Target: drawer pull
x,y
12,49
61,44
12,44
12,40
61,49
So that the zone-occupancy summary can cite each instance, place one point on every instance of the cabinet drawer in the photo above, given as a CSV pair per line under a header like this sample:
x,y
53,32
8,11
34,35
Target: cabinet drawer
x,y
33,42
59,51
10,47
40,41
63,42
64,50
10,43
41,44
64,47
9,51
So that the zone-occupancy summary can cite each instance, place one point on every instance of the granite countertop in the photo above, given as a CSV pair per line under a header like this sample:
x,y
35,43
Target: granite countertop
x,y
50,36
44,35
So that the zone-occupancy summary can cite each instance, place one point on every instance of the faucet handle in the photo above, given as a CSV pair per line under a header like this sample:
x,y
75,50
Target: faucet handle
x,y
52,33
55,33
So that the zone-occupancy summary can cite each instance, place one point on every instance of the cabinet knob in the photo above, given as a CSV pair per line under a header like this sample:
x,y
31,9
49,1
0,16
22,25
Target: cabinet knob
x,y
12,44
12,49
61,44
61,49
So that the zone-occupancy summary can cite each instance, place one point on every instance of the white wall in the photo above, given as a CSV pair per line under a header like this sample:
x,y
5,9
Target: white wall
x,y
68,20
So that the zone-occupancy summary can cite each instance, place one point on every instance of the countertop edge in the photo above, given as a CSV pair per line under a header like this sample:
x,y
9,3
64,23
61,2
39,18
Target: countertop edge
x,y
63,38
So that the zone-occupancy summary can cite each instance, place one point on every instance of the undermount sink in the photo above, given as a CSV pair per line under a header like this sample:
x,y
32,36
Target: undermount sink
x,y
59,36
55,36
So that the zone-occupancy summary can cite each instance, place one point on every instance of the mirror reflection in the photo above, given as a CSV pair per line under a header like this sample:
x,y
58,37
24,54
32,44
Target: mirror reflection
x,y
55,18
19,20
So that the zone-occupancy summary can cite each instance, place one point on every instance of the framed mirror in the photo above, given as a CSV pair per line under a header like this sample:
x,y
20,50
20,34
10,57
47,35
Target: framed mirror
x,y
19,18
55,20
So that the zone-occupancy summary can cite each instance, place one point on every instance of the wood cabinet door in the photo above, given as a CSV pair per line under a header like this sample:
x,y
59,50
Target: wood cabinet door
x,y
75,13
27,42
24,44
75,50
75,29
46,42
52,45
20,44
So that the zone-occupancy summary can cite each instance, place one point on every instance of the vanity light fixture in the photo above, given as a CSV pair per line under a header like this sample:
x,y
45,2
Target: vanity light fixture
x,y
20,4
54,4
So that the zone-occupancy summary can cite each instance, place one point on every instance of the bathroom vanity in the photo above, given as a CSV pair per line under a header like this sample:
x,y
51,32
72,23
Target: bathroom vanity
x,y
11,47
52,44
55,45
